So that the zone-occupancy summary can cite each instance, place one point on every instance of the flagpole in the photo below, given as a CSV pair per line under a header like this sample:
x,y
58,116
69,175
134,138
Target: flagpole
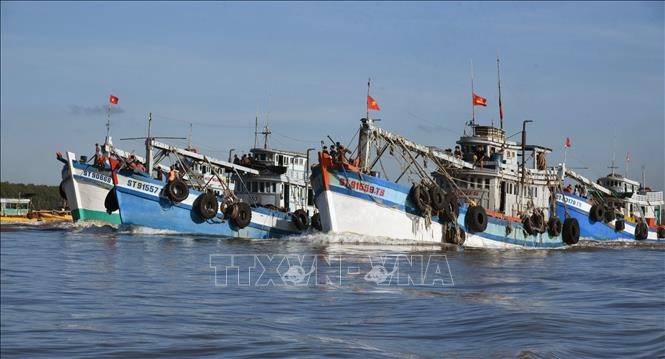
x,y
108,121
498,75
473,106
367,99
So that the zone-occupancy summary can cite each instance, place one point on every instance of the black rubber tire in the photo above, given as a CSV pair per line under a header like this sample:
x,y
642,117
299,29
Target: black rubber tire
x,y
61,189
111,201
554,227
300,219
619,225
177,190
609,215
206,205
451,208
244,215
420,197
597,212
316,221
475,219
660,233
641,231
571,231
528,226
437,198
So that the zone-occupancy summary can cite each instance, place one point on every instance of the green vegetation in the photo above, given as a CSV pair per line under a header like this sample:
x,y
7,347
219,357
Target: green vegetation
x,y
43,197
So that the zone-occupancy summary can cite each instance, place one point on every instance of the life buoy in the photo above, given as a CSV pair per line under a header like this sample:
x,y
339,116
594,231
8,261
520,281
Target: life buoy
x,y
300,219
571,231
660,233
316,221
451,208
177,190
527,225
597,212
111,201
641,231
619,225
609,215
206,205
244,215
475,219
61,188
554,227
437,198
420,197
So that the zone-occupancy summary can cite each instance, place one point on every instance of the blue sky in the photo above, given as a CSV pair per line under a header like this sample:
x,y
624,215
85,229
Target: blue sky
x,y
591,71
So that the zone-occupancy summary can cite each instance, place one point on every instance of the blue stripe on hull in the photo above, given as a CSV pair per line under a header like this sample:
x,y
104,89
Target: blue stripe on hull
x,y
590,229
139,209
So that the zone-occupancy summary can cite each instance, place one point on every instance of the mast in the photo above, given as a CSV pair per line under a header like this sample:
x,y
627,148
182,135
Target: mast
x,y
498,75
148,147
189,139
473,106
256,128
365,134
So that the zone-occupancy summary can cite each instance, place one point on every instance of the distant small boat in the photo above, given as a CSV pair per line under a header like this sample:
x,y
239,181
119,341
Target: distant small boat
x,y
20,210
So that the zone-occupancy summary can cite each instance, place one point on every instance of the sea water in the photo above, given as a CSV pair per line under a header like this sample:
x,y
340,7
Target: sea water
x,y
88,291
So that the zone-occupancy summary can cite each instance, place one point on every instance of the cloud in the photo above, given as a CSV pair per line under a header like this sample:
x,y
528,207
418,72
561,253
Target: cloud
x,y
93,110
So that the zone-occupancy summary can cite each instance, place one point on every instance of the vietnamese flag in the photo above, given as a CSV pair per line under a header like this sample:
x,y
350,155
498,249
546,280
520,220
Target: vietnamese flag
x,y
114,100
568,142
371,104
479,100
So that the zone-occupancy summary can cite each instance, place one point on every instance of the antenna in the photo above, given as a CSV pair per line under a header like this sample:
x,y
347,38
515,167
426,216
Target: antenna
x,y
473,106
265,133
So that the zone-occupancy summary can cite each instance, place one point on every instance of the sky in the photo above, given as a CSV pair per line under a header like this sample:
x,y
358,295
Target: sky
x,y
591,71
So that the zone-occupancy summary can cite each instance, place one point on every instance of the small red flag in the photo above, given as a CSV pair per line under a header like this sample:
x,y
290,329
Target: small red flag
x,y
567,141
371,104
113,100
479,101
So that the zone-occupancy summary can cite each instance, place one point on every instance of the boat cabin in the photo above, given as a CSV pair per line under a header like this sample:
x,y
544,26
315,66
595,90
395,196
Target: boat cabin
x,y
497,182
281,183
14,207
634,200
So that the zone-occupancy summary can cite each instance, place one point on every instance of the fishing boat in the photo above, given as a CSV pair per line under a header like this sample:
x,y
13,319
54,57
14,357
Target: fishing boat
x,y
87,181
190,205
613,208
498,203
19,210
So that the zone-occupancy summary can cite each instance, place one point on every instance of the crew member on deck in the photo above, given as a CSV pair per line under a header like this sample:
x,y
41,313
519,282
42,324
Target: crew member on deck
x,y
479,157
458,152
236,160
173,174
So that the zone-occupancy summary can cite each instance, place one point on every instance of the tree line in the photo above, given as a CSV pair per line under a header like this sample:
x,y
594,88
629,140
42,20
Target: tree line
x,y
43,196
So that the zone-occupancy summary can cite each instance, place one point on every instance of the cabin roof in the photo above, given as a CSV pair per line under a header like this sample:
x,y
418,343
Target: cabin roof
x,y
277,151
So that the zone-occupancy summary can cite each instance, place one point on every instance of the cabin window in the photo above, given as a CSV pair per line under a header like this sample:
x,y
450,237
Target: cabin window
x,y
274,188
262,187
487,183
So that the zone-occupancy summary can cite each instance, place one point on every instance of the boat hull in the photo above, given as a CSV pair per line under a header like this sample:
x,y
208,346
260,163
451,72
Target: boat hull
x,y
86,187
579,208
354,203
142,202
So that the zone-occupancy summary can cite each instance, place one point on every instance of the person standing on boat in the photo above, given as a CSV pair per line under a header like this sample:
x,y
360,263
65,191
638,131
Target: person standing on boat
x,y
236,160
479,156
458,152
173,174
